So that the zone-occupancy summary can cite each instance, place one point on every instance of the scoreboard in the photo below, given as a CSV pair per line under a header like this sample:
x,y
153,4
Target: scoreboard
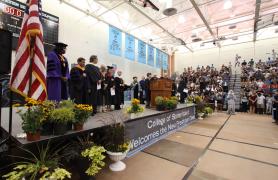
x,y
11,15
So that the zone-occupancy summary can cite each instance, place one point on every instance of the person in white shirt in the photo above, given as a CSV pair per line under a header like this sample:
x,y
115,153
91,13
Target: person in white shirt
x,y
260,83
260,103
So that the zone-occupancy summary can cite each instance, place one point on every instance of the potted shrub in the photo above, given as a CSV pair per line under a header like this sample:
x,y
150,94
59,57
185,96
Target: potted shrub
x,y
47,125
70,105
32,119
135,109
87,157
43,166
160,103
61,117
81,114
117,145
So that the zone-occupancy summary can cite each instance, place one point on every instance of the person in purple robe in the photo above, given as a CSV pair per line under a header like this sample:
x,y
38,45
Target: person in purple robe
x,y
57,73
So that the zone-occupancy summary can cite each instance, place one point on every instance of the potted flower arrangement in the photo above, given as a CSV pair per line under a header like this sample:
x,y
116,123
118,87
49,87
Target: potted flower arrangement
x,y
47,125
32,119
160,103
61,117
117,145
171,103
70,105
135,109
43,166
81,114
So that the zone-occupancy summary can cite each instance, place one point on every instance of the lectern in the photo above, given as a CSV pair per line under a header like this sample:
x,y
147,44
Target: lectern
x,y
160,87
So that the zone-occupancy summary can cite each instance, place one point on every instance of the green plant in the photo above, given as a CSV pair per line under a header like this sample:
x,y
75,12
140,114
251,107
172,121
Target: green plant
x,y
208,110
43,166
96,157
174,98
32,119
66,104
81,113
62,115
159,100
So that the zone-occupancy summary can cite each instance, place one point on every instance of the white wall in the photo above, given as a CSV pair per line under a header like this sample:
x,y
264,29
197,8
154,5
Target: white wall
x,y
224,55
86,37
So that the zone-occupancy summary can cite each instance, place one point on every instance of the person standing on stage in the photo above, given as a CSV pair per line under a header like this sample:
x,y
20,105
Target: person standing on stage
x,y
142,90
148,89
275,107
119,91
93,80
134,87
101,90
110,88
182,88
57,73
78,82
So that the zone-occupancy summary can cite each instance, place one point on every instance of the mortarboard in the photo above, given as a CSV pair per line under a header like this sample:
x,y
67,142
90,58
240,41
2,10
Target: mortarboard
x,y
60,44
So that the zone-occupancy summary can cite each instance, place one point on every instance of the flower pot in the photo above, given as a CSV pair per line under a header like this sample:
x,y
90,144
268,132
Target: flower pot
x,y
118,165
78,126
69,126
135,115
60,129
33,136
47,129
160,107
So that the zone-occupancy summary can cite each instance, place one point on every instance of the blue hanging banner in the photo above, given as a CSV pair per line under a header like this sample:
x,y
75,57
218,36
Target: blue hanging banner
x,y
129,47
115,41
158,58
141,52
165,61
150,55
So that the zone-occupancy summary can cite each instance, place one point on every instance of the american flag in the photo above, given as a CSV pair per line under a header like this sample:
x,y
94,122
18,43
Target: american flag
x,y
29,72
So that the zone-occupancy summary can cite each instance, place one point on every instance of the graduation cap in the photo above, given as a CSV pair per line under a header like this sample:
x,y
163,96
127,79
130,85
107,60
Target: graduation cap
x,y
134,77
60,44
110,67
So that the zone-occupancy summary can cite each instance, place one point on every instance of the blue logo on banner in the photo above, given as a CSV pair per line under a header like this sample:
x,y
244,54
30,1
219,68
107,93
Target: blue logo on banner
x,y
115,41
158,58
129,47
141,52
150,55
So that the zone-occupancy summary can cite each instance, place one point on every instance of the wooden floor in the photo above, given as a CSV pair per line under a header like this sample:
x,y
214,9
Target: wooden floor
x,y
241,146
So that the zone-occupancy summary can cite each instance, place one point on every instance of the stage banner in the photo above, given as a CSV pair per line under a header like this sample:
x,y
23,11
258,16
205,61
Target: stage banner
x,y
165,61
145,131
115,41
150,55
129,47
158,59
141,52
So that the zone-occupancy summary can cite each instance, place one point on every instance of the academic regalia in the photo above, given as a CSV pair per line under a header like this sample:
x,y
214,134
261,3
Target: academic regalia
x,y
119,85
174,89
101,92
93,77
135,88
142,90
78,85
57,67
109,80
181,89
148,91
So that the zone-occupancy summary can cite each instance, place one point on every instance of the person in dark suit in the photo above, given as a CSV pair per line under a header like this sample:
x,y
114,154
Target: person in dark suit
x,y
134,87
174,88
119,91
109,88
182,88
93,79
148,89
142,90
78,82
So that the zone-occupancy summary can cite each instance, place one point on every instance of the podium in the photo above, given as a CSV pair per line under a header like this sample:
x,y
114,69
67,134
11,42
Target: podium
x,y
160,87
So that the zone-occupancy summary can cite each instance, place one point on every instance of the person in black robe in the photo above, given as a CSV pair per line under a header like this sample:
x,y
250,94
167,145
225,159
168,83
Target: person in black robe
x,y
134,87
119,91
174,88
182,88
78,82
110,88
142,90
148,89
93,79
275,107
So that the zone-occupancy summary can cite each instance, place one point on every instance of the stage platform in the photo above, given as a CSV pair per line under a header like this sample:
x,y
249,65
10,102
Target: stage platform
x,y
151,126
